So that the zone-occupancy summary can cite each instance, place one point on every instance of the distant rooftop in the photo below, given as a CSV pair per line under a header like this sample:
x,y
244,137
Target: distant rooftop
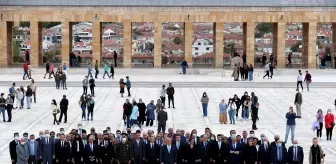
x,y
173,3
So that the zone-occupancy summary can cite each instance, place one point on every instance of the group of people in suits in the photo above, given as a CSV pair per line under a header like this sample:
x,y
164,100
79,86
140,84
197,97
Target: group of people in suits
x,y
125,147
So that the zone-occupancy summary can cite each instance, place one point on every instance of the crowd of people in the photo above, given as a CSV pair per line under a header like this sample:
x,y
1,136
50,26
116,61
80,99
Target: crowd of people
x,y
125,147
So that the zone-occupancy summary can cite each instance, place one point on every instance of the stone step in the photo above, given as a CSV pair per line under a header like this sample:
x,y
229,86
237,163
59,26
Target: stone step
x,y
139,84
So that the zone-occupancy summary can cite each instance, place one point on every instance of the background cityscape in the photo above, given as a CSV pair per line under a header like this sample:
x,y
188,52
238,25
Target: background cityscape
x,y
172,41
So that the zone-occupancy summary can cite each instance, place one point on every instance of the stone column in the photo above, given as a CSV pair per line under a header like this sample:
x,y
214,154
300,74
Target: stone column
x,y
128,44
309,45
157,44
36,56
6,40
249,42
96,43
244,36
66,41
333,48
279,37
219,44
188,38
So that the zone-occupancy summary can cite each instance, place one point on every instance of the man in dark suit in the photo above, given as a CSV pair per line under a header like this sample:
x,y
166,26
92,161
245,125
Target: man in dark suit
x,y
235,151
107,151
91,152
264,152
278,153
158,140
62,150
276,138
12,148
162,119
64,108
138,150
77,150
93,134
217,151
255,110
244,139
168,153
47,148
203,154
39,140
152,151
295,154
194,135
179,147
80,130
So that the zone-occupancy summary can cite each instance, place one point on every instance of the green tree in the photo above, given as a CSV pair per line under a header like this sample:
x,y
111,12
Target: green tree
x,y
50,24
52,56
296,47
24,24
318,43
262,29
172,28
230,47
177,40
328,50
16,52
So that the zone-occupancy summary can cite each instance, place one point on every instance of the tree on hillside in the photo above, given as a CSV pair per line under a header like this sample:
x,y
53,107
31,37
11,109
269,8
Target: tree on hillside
x,y
230,47
177,40
262,29
296,47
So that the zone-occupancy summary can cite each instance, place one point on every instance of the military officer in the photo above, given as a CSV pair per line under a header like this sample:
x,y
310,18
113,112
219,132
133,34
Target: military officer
x,y
124,150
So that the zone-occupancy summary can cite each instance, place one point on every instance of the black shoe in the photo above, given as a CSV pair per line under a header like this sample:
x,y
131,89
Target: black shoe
x,y
58,123
65,122
174,107
9,121
91,119
88,119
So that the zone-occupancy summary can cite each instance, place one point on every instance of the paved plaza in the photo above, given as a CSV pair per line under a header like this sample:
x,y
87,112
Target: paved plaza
x,y
274,103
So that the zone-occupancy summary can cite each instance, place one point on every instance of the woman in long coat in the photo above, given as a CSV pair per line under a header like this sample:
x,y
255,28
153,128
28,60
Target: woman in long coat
x,y
150,113
235,72
142,111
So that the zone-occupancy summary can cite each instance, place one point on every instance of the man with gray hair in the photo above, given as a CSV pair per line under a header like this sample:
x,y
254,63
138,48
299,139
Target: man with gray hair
x,y
264,151
22,152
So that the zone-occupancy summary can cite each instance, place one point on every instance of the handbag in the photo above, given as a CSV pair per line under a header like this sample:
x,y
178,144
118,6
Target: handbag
x,y
316,125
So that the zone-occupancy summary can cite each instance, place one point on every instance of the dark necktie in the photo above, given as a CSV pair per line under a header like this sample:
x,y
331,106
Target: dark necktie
x,y
295,154
62,143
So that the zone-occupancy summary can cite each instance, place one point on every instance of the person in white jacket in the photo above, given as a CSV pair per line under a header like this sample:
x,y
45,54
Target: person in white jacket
x,y
163,95
19,97
232,110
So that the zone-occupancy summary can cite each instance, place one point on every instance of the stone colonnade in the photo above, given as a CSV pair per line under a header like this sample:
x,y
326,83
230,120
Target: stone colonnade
x,y
157,16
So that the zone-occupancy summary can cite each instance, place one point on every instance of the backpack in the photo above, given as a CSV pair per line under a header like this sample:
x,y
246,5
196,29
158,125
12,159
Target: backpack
x,y
10,90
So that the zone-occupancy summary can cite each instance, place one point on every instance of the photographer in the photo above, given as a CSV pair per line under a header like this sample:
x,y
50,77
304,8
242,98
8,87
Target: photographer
x,y
291,116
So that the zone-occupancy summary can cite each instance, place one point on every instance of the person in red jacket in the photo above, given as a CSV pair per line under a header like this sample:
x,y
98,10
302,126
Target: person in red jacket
x,y
25,70
329,123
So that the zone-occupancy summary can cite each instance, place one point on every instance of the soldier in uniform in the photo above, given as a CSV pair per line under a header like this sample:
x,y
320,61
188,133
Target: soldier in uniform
x,y
123,150
107,153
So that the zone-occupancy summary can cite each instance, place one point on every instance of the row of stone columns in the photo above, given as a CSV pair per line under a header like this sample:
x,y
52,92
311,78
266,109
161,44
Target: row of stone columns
x,y
308,54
